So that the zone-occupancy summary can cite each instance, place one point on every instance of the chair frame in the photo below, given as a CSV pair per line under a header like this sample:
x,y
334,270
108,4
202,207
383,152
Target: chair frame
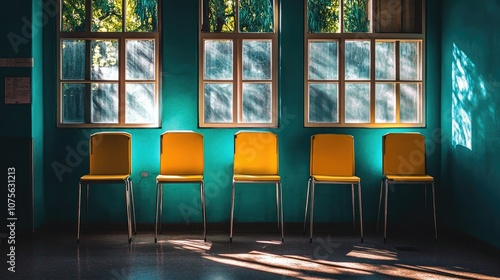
x,y
129,193
310,197
278,186
159,194
384,189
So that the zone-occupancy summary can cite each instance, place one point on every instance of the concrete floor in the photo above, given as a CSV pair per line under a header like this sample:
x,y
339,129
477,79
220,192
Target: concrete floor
x,y
251,255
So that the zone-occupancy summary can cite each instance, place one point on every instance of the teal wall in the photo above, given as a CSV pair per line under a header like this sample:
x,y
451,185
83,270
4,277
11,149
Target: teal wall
x,y
15,119
470,108
41,12
67,147
22,38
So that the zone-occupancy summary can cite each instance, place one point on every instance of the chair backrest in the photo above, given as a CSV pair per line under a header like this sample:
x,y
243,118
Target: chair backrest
x,y
181,153
332,155
403,154
256,153
110,153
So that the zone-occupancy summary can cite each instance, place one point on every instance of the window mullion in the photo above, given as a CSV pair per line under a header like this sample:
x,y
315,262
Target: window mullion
x,y
341,86
88,16
398,83
121,81
88,86
238,82
372,82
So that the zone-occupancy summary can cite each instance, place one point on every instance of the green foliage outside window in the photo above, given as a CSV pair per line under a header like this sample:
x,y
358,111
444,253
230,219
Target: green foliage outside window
x,y
324,16
253,15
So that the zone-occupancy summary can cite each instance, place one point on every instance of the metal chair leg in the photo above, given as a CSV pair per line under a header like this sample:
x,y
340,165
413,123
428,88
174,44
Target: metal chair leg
x,y
133,206
307,204
87,209
156,211
79,210
161,208
311,219
434,210
281,213
353,210
203,208
379,203
385,210
127,202
360,211
232,214
277,207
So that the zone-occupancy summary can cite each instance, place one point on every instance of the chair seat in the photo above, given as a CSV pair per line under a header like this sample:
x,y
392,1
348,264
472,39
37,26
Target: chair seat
x,y
327,178
179,178
410,178
259,178
95,178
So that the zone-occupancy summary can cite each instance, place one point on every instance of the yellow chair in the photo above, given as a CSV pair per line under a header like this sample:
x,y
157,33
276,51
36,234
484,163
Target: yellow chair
x,y
181,161
110,163
332,161
256,161
403,162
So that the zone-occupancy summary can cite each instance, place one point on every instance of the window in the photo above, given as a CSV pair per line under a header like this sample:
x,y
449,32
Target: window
x,y
108,57
238,63
363,63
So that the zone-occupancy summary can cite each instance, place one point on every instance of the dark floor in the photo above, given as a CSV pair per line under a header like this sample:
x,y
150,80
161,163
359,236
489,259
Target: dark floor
x,y
255,255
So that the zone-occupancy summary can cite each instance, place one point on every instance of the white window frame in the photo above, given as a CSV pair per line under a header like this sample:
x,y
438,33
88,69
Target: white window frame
x,y
121,37
372,37
237,103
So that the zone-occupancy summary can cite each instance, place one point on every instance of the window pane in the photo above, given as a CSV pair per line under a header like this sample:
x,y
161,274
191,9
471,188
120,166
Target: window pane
x,y
218,99
323,103
385,65
257,103
104,60
218,60
107,16
323,60
218,16
256,16
140,59
73,16
140,106
73,103
104,103
73,59
142,15
357,60
357,103
409,53
323,16
385,103
409,103
256,60
356,16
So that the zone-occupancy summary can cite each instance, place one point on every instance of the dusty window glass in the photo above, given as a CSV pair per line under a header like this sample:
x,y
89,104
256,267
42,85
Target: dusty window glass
x,y
218,101
256,60
385,103
409,103
218,60
323,60
323,103
357,103
357,60
257,102
104,104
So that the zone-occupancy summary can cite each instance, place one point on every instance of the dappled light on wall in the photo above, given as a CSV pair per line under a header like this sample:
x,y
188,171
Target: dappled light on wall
x,y
464,79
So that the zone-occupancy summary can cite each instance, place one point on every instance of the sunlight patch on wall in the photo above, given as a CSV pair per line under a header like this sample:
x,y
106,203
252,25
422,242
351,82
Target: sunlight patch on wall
x,y
464,82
